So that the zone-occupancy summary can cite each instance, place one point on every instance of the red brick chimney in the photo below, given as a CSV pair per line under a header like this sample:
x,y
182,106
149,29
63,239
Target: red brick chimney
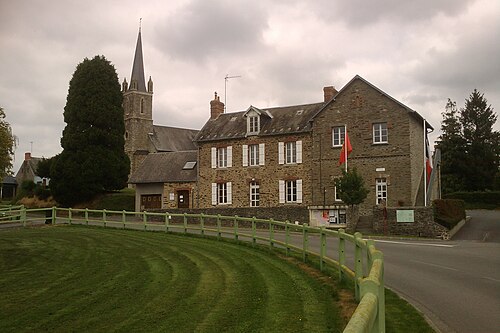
x,y
27,156
329,92
216,107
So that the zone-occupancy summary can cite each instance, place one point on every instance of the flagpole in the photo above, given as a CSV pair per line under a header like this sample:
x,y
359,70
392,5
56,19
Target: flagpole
x,y
345,148
425,167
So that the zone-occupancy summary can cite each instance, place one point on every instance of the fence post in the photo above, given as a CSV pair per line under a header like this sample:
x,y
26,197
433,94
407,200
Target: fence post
x,y
254,231
70,215
202,224
87,216
341,254
358,264
271,234
185,221
23,215
124,219
53,215
305,241
104,217
287,238
369,258
144,219
235,227
218,227
167,221
322,250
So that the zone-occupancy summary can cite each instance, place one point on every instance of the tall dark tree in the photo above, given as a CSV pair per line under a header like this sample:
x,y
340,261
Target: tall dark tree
x,y
7,146
452,148
93,159
481,143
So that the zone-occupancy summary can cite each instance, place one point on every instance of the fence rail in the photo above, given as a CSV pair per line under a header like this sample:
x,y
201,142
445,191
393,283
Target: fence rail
x,y
369,315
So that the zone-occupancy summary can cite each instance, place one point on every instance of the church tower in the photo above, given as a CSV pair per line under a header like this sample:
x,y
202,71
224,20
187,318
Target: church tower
x,y
138,110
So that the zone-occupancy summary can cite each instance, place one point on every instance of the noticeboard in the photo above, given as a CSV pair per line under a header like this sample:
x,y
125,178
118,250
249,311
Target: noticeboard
x,y
405,216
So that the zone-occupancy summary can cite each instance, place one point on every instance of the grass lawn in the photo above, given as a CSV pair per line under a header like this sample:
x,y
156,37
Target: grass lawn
x,y
69,279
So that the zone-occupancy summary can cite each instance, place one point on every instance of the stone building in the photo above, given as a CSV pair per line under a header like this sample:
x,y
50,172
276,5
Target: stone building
x,y
285,158
142,136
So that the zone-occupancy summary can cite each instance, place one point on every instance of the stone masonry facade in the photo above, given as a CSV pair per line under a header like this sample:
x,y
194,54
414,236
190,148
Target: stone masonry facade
x,y
398,161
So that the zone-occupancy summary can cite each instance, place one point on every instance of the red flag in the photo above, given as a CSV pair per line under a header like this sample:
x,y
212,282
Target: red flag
x,y
428,160
343,154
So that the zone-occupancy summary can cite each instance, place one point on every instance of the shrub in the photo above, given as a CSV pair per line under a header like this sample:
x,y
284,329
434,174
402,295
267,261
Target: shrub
x,y
487,200
448,212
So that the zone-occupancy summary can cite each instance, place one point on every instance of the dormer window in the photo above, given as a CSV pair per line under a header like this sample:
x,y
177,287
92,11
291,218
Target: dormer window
x,y
253,124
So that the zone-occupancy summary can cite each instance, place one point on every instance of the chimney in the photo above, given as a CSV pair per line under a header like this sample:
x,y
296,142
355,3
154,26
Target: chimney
x,y
27,156
329,92
216,107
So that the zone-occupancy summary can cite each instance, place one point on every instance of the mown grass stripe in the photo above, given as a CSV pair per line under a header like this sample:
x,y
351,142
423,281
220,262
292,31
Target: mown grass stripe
x,y
92,279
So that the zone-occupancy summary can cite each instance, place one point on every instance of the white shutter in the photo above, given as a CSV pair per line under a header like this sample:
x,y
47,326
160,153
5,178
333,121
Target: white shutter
x,y
262,154
229,156
281,152
299,190
214,157
214,193
229,193
298,145
245,155
282,191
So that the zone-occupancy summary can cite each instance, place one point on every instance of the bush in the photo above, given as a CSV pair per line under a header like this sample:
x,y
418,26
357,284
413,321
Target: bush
x,y
448,212
486,200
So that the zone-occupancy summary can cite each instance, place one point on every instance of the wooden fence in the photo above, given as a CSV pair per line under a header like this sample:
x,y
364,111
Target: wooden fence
x,y
369,315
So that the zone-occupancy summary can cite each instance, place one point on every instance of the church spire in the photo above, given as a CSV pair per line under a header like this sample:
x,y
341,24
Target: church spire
x,y
137,80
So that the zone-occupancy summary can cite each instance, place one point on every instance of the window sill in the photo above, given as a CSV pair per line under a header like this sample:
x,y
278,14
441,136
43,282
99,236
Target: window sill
x,y
380,143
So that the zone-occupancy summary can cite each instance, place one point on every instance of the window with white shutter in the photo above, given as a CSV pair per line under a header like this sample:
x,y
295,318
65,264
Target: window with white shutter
x,y
298,145
281,152
299,190
214,193
229,156
214,157
262,154
245,155
282,191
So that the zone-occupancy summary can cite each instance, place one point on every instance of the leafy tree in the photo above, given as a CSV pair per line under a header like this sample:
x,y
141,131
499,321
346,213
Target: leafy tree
x,y
481,143
93,159
351,187
452,145
7,146
352,191
43,168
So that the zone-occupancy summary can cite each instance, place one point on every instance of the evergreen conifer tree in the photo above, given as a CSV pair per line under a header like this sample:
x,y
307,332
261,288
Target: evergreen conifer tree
x,y
93,159
481,143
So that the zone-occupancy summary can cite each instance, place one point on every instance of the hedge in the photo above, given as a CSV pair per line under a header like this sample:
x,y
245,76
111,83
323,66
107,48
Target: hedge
x,y
488,200
448,212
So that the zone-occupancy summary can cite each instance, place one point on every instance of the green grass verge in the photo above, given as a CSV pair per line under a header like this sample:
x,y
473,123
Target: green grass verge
x,y
65,279
117,201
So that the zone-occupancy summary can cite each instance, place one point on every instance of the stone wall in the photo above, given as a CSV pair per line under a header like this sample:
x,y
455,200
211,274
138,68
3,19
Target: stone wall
x,y
423,225
267,176
399,160
292,214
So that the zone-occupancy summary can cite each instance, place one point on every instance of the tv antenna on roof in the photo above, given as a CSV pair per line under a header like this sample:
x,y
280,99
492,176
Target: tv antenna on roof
x,y
225,88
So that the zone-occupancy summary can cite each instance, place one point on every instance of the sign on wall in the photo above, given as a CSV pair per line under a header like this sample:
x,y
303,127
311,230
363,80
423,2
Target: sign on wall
x,y
405,216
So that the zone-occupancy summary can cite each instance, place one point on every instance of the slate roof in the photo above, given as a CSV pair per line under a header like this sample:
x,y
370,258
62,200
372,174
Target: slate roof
x,y
273,121
138,66
9,180
166,168
357,77
167,139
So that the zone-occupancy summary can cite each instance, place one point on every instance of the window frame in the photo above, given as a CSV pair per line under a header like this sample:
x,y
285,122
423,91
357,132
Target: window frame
x,y
338,135
253,124
222,157
378,130
254,194
253,155
291,152
380,190
222,194
291,191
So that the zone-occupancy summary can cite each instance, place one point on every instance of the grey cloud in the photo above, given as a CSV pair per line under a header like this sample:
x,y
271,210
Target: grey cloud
x,y
206,29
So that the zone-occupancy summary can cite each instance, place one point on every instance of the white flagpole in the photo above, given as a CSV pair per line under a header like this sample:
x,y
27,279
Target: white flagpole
x,y
425,166
345,149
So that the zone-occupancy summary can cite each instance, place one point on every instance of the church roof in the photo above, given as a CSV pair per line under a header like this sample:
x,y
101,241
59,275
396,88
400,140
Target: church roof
x,y
166,138
274,121
138,66
171,167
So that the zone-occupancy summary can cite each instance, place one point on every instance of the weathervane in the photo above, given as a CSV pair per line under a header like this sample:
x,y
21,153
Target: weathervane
x,y
225,88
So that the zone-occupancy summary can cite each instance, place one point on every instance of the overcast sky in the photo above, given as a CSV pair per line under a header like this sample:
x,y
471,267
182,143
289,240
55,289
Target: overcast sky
x,y
419,52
